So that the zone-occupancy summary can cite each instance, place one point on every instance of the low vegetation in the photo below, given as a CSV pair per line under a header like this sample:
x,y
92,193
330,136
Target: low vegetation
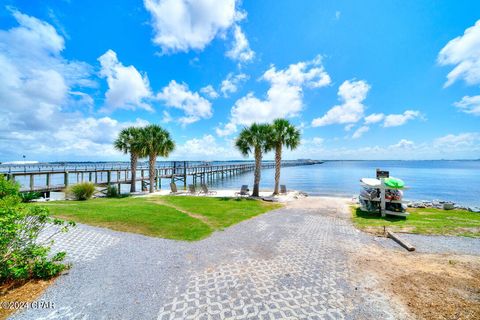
x,y
81,191
23,256
421,221
180,218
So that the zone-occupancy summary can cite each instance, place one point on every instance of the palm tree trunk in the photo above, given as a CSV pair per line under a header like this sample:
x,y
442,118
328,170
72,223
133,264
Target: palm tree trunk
x,y
278,165
258,167
151,172
133,167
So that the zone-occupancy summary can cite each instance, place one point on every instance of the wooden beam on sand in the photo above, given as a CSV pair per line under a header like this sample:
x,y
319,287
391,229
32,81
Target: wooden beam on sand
x,y
400,241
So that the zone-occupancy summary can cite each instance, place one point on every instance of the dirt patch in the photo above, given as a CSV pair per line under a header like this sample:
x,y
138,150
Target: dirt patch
x,y
20,293
429,286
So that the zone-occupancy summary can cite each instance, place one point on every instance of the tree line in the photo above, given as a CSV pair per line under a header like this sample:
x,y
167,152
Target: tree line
x,y
153,141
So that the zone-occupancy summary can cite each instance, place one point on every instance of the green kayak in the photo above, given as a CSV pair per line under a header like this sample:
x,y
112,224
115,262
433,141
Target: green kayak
x,y
394,183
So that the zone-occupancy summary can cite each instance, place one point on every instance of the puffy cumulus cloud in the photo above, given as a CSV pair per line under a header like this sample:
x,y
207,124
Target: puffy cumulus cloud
x,y
452,146
230,84
360,131
395,120
351,93
227,129
177,95
42,98
284,98
181,25
464,53
469,104
468,139
240,50
209,91
206,147
374,118
127,88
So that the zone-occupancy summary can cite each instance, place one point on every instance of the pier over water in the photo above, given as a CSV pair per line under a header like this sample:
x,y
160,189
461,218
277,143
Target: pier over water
x,y
46,177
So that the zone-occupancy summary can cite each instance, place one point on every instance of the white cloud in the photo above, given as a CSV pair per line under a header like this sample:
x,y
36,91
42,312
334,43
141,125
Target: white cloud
x,y
318,141
127,88
195,149
42,98
374,118
469,104
209,91
181,25
459,140
227,130
463,52
240,50
194,106
284,97
351,94
37,83
395,120
403,144
360,131
231,82
337,15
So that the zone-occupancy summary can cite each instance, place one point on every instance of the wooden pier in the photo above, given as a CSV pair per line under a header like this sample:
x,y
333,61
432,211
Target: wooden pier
x,y
42,179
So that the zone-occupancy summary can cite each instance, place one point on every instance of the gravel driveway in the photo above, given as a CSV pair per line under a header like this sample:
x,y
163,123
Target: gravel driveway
x,y
289,263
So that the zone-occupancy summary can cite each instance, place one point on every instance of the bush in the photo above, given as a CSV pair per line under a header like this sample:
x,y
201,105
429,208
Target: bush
x,y
112,192
22,254
8,188
82,191
29,196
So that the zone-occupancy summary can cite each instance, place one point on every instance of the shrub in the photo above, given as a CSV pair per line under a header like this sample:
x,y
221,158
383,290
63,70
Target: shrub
x,y
29,196
22,254
8,187
82,191
112,192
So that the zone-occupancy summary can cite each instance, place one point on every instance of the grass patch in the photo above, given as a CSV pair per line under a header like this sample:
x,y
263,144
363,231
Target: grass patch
x,y
221,212
421,221
189,218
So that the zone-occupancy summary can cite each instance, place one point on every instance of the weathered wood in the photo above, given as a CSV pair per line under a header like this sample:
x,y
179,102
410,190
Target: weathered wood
x,y
400,241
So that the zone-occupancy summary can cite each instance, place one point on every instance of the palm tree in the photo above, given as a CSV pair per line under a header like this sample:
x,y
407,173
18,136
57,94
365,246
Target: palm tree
x,y
128,142
254,139
283,134
155,141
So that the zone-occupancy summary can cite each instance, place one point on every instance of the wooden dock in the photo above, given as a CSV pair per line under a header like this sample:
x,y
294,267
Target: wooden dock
x,y
46,179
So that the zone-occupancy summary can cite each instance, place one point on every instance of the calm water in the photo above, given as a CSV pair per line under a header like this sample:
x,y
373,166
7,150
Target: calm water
x,y
457,181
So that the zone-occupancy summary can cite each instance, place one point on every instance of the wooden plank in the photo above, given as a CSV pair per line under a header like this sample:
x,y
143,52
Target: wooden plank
x,y
400,241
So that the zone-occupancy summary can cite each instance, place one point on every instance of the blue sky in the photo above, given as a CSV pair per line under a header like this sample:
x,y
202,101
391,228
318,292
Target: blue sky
x,y
362,79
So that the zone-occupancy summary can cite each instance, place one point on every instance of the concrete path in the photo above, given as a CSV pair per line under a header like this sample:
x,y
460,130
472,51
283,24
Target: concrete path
x,y
291,263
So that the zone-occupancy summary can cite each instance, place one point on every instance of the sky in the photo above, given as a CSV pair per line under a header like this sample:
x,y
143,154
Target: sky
x,y
360,79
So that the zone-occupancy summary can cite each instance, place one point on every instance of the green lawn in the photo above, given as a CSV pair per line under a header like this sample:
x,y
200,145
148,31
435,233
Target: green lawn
x,y
180,218
422,221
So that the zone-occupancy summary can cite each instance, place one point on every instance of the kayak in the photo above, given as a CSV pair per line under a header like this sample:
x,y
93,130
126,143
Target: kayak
x,y
394,183
371,182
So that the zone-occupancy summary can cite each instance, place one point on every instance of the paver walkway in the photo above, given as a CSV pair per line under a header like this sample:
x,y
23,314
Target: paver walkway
x,y
291,263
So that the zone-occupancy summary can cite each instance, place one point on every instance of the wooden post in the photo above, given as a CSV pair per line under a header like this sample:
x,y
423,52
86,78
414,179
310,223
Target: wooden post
x,y
48,180
32,182
185,175
109,177
90,176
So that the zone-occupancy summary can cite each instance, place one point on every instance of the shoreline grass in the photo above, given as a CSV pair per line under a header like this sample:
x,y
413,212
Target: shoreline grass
x,y
177,218
428,221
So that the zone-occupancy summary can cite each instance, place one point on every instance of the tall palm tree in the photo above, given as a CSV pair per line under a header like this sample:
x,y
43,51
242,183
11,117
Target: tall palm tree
x,y
128,142
254,140
283,134
155,141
